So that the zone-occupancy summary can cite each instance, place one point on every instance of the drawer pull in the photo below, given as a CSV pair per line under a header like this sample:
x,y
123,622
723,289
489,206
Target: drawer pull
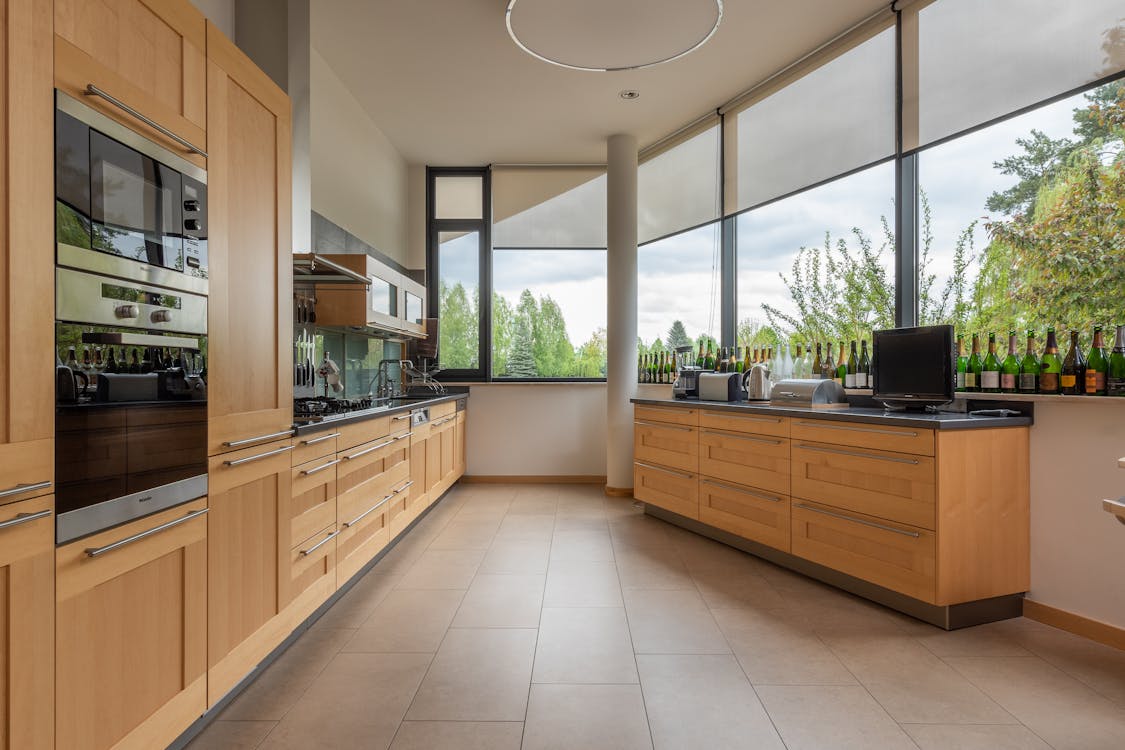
x,y
365,451
447,419
767,441
22,518
322,467
260,438
663,425
95,551
19,489
872,430
258,457
314,441
369,511
401,417
861,521
857,454
403,436
318,545
403,488
669,409
93,90
747,417
673,472
743,490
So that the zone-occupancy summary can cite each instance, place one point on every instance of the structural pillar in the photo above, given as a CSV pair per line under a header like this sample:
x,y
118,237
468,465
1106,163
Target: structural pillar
x,y
621,328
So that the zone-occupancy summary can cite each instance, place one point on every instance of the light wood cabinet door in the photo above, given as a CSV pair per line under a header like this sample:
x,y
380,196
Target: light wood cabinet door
x,y
148,54
673,445
27,227
859,435
131,632
671,489
27,625
745,511
670,414
419,497
250,391
460,449
754,460
740,421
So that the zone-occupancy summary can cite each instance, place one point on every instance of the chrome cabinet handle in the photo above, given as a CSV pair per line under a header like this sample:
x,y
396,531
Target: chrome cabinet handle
x,y
314,441
767,441
318,545
673,472
667,409
93,90
259,457
403,488
260,438
365,451
401,416
746,417
19,489
663,425
95,551
329,465
872,430
403,436
858,454
21,518
743,490
861,521
369,511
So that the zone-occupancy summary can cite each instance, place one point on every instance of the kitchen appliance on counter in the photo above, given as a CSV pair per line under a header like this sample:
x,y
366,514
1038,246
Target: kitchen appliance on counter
x,y
720,386
686,384
810,394
757,383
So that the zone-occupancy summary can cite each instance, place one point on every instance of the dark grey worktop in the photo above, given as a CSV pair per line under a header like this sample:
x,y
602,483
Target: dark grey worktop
x,y
395,407
922,420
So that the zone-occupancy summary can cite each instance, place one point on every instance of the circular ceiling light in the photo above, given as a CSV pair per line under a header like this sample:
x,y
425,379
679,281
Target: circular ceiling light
x,y
611,35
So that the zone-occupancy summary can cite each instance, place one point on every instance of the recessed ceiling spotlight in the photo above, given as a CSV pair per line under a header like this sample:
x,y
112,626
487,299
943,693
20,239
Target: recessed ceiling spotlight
x,y
630,94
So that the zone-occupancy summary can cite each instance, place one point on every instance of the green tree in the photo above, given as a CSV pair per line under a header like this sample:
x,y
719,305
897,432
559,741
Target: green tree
x,y
521,356
502,316
591,356
554,354
459,331
677,336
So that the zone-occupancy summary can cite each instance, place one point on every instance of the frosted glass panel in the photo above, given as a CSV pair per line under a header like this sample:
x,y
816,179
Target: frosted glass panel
x,y
458,197
573,218
679,188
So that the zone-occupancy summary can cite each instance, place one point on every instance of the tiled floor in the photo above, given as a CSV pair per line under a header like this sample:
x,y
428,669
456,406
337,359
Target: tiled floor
x,y
552,617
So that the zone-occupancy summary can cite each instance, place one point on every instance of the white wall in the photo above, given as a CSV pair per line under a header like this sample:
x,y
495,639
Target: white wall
x,y
416,211
359,180
220,13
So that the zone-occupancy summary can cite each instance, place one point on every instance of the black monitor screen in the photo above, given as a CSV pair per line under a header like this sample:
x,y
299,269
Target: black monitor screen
x,y
914,364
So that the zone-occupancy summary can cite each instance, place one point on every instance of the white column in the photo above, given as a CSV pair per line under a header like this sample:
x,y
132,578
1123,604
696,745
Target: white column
x,y
622,312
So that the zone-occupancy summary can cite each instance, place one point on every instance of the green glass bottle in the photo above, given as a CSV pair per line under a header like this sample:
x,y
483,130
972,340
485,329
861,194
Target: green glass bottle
x,y
818,364
709,360
1010,367
851,369
1029,367
863,375
1050,366
1073,380
1115,375
990,369
962,363
1097,365
701,358
976,364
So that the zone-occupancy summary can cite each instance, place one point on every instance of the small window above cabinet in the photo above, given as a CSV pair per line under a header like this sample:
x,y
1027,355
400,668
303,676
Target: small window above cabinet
x,y
361,291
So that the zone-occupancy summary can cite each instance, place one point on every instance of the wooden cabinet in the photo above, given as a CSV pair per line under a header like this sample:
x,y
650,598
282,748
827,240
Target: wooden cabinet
x,y
748,512
419,448
149,54
440,449
459,443
27,300
754,460
757,424
666,488
873,436
250,394
131,631
27,625
673,445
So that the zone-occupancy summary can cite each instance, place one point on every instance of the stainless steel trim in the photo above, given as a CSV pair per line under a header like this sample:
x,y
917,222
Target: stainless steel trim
x,y
861,521
403,488
21,518
322,467
113,265
858,454
683,474
318,545
93,518
79,299
141,339
743,490
369,511
768,441
259,457
260,438
314,441
873,430
95,551
131,138
746,417
365,451
19,489
663,425
93,90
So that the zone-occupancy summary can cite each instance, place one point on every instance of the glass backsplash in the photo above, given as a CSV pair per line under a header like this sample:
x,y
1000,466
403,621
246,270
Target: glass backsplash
x,y
358,356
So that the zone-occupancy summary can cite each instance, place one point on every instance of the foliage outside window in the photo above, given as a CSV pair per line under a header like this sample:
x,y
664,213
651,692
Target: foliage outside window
x,y
459,300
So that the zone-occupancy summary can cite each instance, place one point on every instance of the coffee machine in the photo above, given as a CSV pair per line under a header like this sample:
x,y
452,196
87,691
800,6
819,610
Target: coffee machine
x,y
686,384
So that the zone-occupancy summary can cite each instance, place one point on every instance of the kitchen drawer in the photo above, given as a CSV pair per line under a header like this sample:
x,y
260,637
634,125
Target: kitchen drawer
x,y
888,485
746,512
242,467
669,414
753,460
362,536
358,433
399,508
677,491
27,470
672,445
739,421
442,423
876,437
358,498
311,561
314,445
895,556
440,411
313,505
364,462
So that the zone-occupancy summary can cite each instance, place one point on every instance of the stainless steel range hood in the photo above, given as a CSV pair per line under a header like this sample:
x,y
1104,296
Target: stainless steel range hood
x,y
361,292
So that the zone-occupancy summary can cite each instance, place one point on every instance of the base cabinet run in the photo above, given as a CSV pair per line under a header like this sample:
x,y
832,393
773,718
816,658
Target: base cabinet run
x,y
940,516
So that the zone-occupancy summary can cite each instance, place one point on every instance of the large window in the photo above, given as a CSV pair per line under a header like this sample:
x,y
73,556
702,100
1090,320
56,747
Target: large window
x,y
678,292
459,297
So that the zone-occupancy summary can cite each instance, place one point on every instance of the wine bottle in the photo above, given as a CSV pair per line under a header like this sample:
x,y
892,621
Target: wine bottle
x,y
1073,380
863,374
962,364
1010,367
976,365
1050,366
72,360
733,363
1029,367
709,360
640,367
1097,365
818,363
721,365
111,362
1115,373
851,368
747,363
701,358
990,369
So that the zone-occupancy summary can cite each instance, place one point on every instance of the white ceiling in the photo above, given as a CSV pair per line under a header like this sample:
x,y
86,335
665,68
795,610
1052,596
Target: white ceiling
x,y
445,83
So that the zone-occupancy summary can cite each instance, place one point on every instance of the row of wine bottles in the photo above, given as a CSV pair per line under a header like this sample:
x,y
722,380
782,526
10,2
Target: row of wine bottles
x,y
148,359
1095,373
853,371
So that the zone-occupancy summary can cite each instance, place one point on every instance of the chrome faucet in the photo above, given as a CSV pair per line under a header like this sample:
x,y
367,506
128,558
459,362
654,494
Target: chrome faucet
x,y
384,387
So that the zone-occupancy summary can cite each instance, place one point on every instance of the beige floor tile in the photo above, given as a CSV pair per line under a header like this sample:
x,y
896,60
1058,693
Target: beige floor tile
x,y
823,717
525,528
704,702
408,620
458,735
651,568
442,569
576,583
402,556
723,589
832,611
584,645
472,533
700,553
981,640
361,600
970,737
277,689
1066,713
477,675
591,717
357,701
564,524
589,546
1097,665
232,735
516,556
672,622
913,685
501,600
780,648
642,532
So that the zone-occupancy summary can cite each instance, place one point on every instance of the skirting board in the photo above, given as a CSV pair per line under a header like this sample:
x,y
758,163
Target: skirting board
x,y
1095,630
533,479
618,491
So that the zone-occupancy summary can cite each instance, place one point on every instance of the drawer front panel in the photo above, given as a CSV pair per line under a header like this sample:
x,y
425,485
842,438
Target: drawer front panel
x,y
439,411
672,445
366,431
364,462
753,460
858,435
313,506
677,491
312,560
669,414
242,467
357,500
879,483
756,424
895,556
311,447
359,542
746,512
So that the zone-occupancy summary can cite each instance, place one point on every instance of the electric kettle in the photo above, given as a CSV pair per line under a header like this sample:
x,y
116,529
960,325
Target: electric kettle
x,y
757,383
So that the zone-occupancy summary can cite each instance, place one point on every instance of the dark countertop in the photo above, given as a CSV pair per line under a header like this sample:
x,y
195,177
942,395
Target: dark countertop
x,y
395,407
922,420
